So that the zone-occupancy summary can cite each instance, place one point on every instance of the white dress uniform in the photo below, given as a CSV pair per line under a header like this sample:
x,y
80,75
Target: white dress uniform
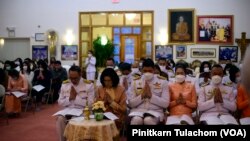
x,y
156,104
209,109
91,69
85,92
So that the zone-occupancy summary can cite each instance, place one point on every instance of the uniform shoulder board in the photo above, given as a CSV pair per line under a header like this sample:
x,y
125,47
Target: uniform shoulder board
x,y
66,81
136,77
204,84
228,84
161,77
87,81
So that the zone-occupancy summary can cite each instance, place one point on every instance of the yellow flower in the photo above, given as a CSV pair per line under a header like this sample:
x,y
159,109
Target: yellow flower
x,y
98,106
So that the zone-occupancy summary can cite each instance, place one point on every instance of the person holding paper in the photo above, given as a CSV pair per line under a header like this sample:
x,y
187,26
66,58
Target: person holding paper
x,y
216,100
183,99
16,82
75,93
113,95
149,95
42,76
90,63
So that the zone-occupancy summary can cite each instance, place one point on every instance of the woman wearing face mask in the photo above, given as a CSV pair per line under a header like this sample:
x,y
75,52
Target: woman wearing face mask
x,y
26,71
42,76
17,82
233,79
90,63
183,99
204,76
113,95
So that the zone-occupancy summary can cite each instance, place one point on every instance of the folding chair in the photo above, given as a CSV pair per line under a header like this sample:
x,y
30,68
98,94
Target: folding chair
x,y
50,93
28,100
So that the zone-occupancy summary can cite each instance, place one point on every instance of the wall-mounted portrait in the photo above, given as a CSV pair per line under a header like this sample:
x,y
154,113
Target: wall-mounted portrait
x,y
227,53
181,26
69,52
163,51
181,51
39,52
216,29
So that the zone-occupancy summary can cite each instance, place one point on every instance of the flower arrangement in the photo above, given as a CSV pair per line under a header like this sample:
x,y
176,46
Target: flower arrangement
x,y
98,107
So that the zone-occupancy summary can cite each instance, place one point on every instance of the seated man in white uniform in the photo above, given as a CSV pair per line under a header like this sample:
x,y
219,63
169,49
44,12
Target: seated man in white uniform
x,y
148,96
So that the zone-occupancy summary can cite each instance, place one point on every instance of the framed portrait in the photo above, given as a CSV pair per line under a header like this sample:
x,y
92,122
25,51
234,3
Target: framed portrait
x,y
69,52
181,51
203,52
39,52
181,26
163,51
228,53
217,29
39,37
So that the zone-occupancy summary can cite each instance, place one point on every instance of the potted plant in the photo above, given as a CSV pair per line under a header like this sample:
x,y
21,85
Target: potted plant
x,y
103,49
98,110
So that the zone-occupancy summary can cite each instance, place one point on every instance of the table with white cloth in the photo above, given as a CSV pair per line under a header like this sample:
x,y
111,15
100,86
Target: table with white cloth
x,y
104,130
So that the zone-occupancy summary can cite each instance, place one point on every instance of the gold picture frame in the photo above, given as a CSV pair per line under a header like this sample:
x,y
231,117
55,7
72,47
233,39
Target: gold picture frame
x,y
203,52
181,24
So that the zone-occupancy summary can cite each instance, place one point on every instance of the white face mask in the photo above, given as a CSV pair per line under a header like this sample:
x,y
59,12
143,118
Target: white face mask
x,y
140,64
110,67
180,78
31,66
163,68
25,68
135,70
148,76
227,72
238,79
89,55
216,79
206,69
17,68
17,63
119,73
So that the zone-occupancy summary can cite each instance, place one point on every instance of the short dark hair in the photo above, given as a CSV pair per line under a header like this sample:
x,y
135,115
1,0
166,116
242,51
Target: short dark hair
x,y
75,68
217,66
163,59
148,63
13,73
113,76
182,66
203,64
111,59
232,71
58,62
125,66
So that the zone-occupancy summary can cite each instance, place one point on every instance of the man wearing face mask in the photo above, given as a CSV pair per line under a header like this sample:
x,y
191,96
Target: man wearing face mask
x,y
74,93
148,96
216,100
90,63
163,64
59,74
127,77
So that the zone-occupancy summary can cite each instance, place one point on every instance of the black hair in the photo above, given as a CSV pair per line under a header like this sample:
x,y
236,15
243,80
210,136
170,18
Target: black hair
x,y
203,64
232,73
217,66
28,66
75,68
58,62
227,67
43,64
125,66
163,59
148,63
182,66
13,73
171,61
113,76
111,59
91,51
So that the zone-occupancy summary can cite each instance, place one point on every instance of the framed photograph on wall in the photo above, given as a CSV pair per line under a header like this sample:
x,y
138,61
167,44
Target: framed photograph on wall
x,y
39,36
163,51
203,52
69,52
39,52
181,26
228,53
181,51
215,29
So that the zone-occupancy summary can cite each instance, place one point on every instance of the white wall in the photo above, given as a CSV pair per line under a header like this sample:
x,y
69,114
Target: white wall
x,y
62,15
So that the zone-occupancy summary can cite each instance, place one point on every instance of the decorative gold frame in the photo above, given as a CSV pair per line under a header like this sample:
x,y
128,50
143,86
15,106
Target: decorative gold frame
x,y
204,52
189,18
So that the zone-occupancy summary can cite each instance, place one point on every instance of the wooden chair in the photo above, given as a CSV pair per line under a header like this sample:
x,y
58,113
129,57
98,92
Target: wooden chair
x,y
2,110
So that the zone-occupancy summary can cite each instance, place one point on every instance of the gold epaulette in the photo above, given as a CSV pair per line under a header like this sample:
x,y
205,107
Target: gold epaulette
x,y
204,84
66,81
229,84
137,77
87,81
161,77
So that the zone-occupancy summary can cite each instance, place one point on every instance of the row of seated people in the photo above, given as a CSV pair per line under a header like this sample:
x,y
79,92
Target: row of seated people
x,y
146,98
18,76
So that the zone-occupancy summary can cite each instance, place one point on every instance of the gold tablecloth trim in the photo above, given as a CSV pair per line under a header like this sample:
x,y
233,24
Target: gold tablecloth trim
x,y
104,130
